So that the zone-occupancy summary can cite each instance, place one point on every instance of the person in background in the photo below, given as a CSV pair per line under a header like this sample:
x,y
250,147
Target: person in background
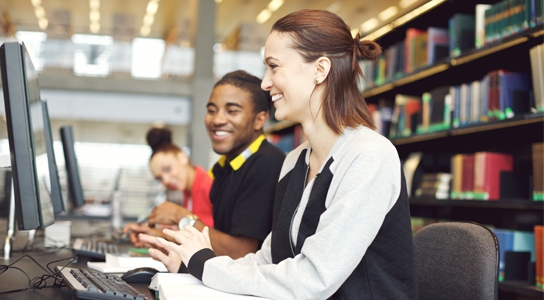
x,y
245,175
342,222
171,166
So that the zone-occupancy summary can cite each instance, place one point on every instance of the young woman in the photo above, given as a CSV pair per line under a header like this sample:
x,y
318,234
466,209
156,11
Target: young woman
x,y
341,223
172,168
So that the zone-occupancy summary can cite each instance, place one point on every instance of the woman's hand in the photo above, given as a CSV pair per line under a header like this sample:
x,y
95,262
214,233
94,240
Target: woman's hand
x,y
190,239
170,259
167,213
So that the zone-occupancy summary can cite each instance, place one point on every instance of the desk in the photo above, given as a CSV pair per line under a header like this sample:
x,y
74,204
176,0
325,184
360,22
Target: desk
x,y
14,279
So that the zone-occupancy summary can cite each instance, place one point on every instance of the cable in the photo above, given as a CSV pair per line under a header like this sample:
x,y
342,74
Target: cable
x,y
38,282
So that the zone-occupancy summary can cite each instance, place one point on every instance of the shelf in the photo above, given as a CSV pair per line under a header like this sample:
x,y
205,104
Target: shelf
x,y
281,125
519,204
509,123
526,119
416,12
522,289
476,54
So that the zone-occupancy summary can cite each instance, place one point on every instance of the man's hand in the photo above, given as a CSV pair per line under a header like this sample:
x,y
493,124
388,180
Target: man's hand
x,y
135,229
167,213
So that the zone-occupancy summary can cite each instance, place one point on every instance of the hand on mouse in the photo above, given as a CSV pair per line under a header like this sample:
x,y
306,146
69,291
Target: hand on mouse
x,y
170,259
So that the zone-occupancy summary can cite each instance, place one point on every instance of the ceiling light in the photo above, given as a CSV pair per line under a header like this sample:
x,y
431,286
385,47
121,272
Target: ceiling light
x,y
36,2
388,13
145,31
274,5
94,27
43,23
263,16
94,16
218,1
369,25
94,4
39,12
406,3
334,7
148,20
152,7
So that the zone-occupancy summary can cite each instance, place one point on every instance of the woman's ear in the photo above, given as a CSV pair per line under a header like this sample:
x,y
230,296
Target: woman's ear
x,y
323,65
183,159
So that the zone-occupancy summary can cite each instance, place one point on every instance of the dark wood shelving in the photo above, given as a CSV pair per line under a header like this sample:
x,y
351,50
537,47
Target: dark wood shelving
x,y
508,204
476,54
520,290
520,120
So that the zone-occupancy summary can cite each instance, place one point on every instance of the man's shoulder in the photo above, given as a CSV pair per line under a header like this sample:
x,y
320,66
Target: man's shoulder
x,y
270,151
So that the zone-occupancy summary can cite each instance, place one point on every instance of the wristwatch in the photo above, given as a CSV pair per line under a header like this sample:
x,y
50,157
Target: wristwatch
x,y
189,219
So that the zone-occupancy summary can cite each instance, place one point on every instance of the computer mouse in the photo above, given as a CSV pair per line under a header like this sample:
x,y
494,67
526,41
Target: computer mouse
x,y
139,275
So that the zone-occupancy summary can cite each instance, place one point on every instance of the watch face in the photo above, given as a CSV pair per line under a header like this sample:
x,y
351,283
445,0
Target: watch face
x,y
187,220
184,222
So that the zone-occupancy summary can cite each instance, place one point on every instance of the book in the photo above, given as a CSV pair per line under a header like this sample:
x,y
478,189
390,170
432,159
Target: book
x,y
537,71
514,96
538,171
461,28
409,46
467,177
539,255
121,263
438,41
435,185
457,176
480,25
175,286
487,170
506,243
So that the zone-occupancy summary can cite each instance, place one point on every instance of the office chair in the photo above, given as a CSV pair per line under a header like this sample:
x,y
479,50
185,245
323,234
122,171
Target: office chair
x,y
456,260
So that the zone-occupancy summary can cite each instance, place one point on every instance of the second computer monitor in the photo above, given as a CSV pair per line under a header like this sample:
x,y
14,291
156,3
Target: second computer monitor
x,y
75,190
54,188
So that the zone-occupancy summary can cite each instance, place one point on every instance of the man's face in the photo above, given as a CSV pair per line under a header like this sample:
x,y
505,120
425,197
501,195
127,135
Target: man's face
x,y
231,121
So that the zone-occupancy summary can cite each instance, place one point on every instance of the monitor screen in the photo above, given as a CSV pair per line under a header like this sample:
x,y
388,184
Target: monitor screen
x,y
26,134
54,187
75,191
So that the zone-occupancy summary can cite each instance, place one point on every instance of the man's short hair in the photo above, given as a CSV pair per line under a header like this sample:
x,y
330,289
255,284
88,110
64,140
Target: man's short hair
x,y
247,82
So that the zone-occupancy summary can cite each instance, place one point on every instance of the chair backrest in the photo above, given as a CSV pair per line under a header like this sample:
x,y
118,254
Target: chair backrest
x,y
456,260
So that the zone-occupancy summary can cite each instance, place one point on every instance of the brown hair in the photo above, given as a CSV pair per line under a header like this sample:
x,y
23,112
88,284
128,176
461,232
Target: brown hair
x,y
160,140
318,33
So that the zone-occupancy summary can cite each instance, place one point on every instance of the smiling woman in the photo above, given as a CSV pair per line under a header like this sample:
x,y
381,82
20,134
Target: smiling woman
x,y
172,168
341,225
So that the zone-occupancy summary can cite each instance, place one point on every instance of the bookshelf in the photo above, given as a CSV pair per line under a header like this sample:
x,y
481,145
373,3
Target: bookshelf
x,y
513,135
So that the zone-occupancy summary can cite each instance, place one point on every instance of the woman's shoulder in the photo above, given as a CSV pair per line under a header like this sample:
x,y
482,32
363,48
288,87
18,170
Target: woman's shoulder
x,y
365,140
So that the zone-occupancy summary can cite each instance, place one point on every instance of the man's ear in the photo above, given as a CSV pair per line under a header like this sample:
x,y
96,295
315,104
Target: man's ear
x,y
323,65
260,120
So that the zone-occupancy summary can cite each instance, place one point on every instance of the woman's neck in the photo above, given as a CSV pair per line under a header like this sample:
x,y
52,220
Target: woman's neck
x,y
321,138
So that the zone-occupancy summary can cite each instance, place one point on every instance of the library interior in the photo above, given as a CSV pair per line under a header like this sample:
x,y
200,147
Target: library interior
x,y
458,91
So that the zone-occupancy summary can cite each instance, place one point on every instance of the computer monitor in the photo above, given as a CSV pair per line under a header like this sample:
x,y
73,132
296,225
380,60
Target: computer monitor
x,y
26,134
54,188
75,191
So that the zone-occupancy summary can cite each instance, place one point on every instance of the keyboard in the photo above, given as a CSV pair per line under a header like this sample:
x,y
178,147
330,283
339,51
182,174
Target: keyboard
x,y
92,284
94,248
